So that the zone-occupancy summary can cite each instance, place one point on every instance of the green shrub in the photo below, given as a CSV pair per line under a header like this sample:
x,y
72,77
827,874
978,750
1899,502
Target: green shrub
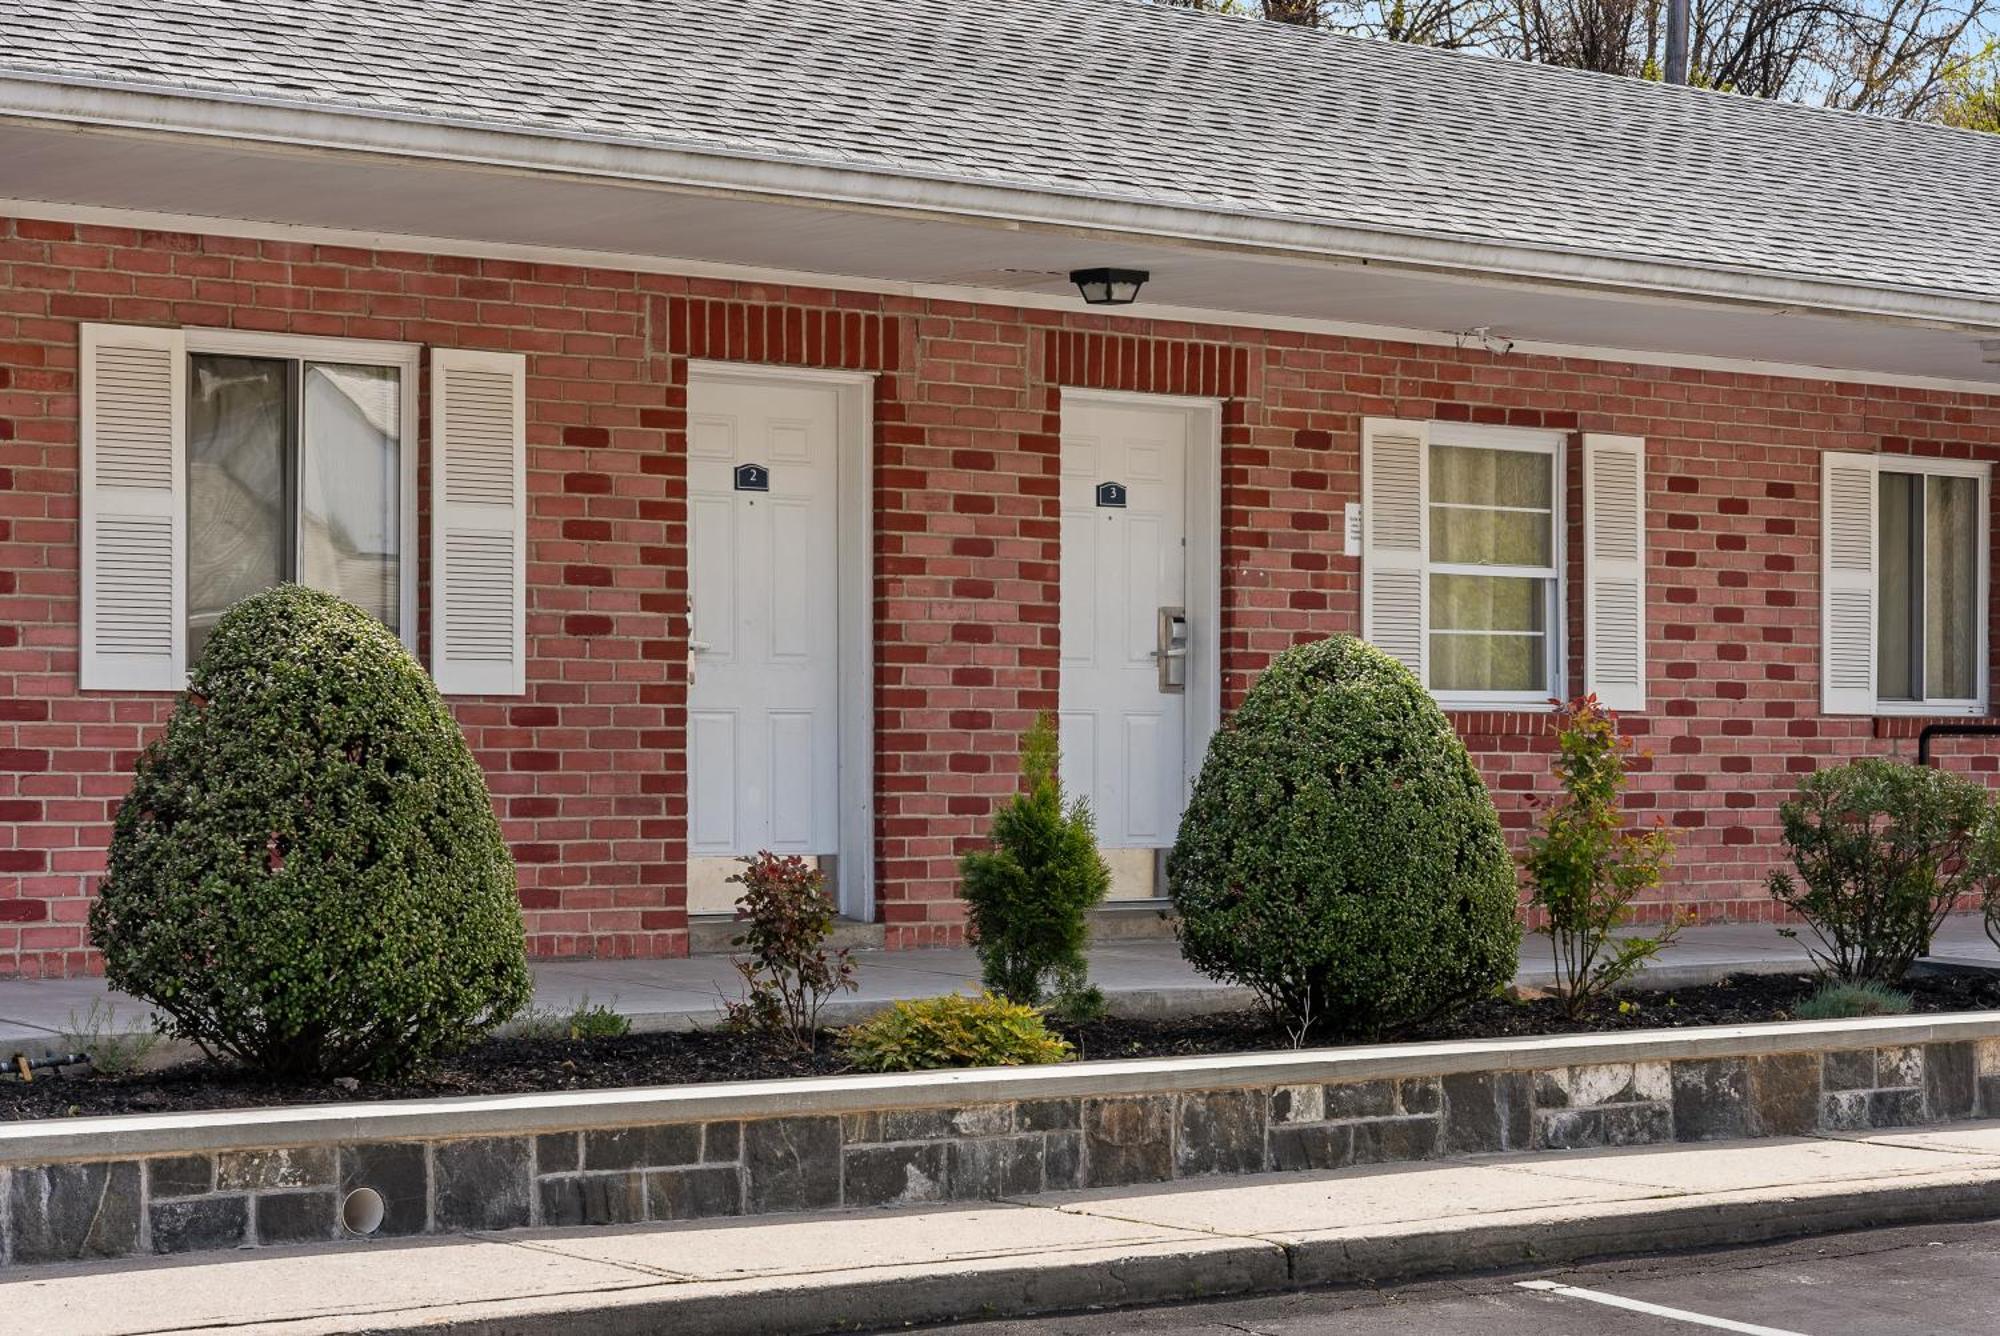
x,y
1836,1001
1340,855
1028,895
1584,867
1883,851
953,1031
789,974
307,874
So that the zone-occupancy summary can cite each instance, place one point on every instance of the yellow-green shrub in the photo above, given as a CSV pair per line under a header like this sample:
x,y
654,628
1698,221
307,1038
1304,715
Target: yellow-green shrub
x,y
953,1031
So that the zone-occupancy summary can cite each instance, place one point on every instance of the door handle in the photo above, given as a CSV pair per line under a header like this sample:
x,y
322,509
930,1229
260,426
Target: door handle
x,y
1171,649
699,646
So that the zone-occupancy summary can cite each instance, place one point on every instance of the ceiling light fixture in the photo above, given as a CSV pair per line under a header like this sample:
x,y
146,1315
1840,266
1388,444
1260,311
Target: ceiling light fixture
x,y
1109,287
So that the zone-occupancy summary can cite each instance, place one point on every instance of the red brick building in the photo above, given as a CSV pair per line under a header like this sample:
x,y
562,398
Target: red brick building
x,y
729,440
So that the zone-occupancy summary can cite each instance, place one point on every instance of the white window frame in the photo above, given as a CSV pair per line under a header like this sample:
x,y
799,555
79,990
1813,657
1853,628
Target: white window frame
x,y
1950,468
1555,446
404,358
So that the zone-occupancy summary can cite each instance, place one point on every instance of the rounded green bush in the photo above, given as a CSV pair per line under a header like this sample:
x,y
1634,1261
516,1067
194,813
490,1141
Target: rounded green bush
x,y
307,874
953,1031
1340,855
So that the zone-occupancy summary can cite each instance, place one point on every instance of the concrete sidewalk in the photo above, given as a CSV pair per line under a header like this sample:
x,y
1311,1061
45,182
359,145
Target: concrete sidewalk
x,y
1139,977
860,1271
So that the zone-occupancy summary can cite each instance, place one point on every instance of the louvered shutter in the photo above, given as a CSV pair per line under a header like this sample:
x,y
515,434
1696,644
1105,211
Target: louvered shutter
x,y
1614,570
1847,581
478,522
1395,465
133,508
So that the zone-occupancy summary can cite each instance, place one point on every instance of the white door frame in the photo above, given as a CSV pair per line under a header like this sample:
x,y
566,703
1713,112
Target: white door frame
x,y
1202,714
854,892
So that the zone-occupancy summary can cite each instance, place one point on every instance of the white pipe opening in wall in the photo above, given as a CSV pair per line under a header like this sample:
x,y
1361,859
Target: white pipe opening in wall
x,y
361,1211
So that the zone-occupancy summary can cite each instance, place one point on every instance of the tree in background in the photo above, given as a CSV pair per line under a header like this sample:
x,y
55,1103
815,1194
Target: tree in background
x,y
1928,59
1971,99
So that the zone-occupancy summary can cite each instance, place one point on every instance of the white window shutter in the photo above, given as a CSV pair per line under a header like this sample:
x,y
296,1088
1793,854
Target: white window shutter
x,y
479,522
1847,582
1395,527
133,507
1614,570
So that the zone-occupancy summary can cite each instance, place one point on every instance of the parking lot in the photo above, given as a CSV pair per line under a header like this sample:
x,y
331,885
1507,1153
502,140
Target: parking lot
x,y
1942,1281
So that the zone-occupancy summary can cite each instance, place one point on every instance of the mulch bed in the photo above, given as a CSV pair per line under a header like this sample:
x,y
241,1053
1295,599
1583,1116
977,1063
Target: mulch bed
x,y
512,1066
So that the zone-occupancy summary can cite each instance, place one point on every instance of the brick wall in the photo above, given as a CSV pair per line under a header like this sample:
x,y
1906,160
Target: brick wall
x,y
588,769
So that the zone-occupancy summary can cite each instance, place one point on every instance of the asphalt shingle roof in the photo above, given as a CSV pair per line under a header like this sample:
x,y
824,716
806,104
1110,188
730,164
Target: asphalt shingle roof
x,y
1109,98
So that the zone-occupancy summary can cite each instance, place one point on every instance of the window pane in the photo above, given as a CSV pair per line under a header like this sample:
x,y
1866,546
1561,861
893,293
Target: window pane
x,y
1491,537
1951,587
1899,617
237,454
1492,477
1489,663
1488,603
350,532
1489,633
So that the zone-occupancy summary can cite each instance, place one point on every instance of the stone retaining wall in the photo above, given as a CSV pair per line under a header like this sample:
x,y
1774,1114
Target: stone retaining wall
x,y
182,1183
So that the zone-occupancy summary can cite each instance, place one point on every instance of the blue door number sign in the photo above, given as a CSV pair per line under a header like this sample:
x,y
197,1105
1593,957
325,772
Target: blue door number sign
x,y
753,478
1111,494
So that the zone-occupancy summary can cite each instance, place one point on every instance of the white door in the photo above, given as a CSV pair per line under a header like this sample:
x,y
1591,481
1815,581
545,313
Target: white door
x,y
764,580
1124,560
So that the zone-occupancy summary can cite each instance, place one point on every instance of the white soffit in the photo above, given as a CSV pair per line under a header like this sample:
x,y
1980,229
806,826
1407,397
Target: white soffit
x,y
46,167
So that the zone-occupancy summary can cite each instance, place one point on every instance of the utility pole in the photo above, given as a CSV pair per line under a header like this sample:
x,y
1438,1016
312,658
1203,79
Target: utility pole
x,y
1677,41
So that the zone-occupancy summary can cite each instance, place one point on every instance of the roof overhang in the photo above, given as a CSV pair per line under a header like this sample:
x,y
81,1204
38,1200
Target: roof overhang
x,y
423,183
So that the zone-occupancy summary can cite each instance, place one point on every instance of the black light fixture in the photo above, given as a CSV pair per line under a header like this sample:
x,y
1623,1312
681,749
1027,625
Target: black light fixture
x,y
1109,287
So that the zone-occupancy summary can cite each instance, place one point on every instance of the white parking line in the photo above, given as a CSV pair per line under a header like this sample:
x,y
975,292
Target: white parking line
x,y
1655,1310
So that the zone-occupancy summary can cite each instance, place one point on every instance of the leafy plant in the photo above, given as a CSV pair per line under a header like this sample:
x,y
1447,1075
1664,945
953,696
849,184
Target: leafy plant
x,y
1028,896
114,1049
953,1031
789,975
1340,855
1883,851
1834,1001
584,1020
1585,868
307,874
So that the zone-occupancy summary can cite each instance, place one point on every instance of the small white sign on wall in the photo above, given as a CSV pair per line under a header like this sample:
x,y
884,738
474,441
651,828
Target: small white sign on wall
x,y
1353,518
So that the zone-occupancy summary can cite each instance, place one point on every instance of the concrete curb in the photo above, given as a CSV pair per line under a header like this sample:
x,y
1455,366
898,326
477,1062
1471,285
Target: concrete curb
x,y
1179,1272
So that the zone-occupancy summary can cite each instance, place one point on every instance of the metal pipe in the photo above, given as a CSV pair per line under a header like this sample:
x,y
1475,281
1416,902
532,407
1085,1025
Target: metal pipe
x,y
1929,731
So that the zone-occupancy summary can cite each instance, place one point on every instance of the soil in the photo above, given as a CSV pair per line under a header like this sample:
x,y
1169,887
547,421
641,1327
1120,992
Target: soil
x,y
516,1065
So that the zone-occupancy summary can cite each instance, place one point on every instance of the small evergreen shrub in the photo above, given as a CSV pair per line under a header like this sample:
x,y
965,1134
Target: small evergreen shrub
x,y
1584,867
307,874
789,975
1836,1001
1027,896
1883,851
953,1031
1340,855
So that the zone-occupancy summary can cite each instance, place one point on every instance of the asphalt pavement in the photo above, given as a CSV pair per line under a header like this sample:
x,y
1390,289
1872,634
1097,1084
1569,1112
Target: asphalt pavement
x,y
1939,1280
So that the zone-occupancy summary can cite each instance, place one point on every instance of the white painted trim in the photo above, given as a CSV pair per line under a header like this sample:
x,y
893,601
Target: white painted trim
x,y
1201,714
855,528
303,347
150,220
